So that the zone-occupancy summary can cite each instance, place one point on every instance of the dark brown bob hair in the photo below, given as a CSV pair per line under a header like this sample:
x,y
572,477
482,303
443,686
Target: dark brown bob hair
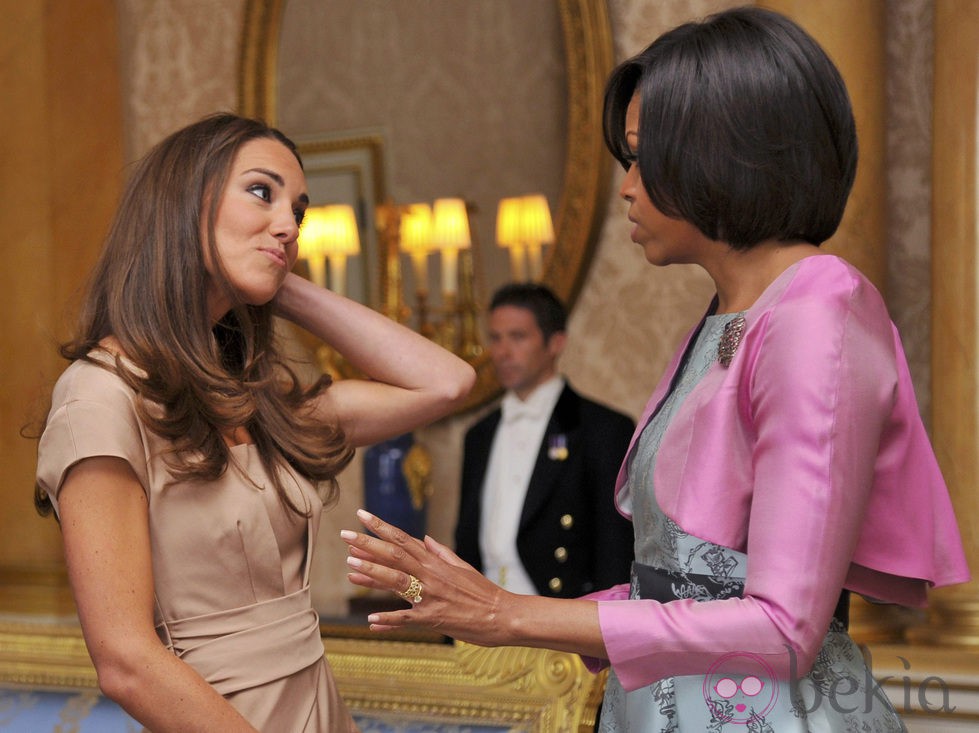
x,y
745,128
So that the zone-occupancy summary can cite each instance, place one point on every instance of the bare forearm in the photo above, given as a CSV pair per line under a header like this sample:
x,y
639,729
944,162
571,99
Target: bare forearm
x,y
567,625
373,343
165,694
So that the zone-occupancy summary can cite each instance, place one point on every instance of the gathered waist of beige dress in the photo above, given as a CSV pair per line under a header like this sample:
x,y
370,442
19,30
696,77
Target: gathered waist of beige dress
x,y
248,646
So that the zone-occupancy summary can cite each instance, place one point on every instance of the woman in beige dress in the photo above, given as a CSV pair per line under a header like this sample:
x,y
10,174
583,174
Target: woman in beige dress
x,y
186,462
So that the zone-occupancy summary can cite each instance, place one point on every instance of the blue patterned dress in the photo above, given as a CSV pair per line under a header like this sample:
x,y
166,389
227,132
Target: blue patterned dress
x,y
837,695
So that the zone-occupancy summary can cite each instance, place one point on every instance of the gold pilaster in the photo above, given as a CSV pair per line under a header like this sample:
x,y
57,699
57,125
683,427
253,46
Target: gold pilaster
x,y
954,614
852,33
61,138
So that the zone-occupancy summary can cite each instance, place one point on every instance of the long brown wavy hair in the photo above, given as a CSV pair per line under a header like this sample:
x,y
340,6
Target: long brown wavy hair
x,y
148,290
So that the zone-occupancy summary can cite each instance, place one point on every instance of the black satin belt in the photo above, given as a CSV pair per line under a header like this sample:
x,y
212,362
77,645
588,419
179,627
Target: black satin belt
x,y
664,585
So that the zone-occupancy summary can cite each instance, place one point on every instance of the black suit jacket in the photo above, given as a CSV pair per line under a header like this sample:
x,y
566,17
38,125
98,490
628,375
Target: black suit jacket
x,y
571,538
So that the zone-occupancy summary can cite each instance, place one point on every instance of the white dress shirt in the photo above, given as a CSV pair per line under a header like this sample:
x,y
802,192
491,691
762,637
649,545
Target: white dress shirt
x,y
511,464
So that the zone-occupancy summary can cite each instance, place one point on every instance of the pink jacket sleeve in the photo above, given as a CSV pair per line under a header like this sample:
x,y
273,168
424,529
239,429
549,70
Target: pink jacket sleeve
x,y
615,593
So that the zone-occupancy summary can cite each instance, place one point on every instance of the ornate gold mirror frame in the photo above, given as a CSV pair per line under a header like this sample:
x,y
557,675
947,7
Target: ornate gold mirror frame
x,y
589,57
390,683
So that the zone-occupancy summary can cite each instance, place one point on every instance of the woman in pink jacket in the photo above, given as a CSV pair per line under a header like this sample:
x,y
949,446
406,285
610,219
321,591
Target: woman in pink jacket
x,y
781,463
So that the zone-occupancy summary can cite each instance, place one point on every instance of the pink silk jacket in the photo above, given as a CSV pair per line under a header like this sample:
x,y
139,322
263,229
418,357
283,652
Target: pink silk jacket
x,y
809,455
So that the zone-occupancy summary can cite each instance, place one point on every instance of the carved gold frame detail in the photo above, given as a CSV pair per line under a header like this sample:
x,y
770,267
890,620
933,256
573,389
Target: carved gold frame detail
x,y
510,687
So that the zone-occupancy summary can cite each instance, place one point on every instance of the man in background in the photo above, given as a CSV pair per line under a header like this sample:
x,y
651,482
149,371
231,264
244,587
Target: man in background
x,y
536,510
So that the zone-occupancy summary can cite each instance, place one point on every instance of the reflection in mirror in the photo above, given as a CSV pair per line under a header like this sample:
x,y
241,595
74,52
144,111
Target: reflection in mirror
x,y
482,101
469,99
346,170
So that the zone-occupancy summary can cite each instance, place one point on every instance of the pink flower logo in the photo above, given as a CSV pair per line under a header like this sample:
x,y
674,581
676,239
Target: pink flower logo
x,y
740,687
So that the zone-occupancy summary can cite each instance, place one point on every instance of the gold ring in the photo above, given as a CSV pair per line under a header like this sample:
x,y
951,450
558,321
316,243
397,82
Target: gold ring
x,y
413,593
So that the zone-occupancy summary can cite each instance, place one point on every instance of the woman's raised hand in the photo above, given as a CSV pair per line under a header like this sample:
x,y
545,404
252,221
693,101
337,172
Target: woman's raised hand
x,y
412,380
446,593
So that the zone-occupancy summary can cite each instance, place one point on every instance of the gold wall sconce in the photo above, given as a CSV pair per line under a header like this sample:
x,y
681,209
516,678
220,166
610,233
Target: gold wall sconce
x,y
420,231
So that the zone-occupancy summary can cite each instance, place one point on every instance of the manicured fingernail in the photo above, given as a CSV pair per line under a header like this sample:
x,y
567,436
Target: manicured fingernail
x,y
373,618
348,534
354,562
364,514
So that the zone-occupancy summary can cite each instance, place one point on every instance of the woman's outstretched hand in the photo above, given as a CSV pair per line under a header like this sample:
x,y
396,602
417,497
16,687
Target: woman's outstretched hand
x,y
456,599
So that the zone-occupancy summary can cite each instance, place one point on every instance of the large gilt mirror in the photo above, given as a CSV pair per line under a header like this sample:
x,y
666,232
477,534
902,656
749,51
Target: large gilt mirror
x,y
401,102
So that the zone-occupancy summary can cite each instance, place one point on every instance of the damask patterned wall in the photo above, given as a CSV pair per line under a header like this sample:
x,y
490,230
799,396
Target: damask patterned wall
x,y
179,62
468,98
180,59
909,94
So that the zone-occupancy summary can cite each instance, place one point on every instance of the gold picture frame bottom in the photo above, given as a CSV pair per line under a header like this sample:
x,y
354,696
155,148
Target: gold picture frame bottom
x,y
513,688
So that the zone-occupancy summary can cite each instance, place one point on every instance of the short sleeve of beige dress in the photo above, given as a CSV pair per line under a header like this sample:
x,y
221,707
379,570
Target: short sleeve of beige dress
x,y
230,561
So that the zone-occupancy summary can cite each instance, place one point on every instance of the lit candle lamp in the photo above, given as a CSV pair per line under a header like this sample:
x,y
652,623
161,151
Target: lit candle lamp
x,y
536,230
450,234
508,235
329,233
416,240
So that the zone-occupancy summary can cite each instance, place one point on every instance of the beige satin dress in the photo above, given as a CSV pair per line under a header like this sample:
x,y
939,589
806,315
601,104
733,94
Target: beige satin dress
x,y
230,561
